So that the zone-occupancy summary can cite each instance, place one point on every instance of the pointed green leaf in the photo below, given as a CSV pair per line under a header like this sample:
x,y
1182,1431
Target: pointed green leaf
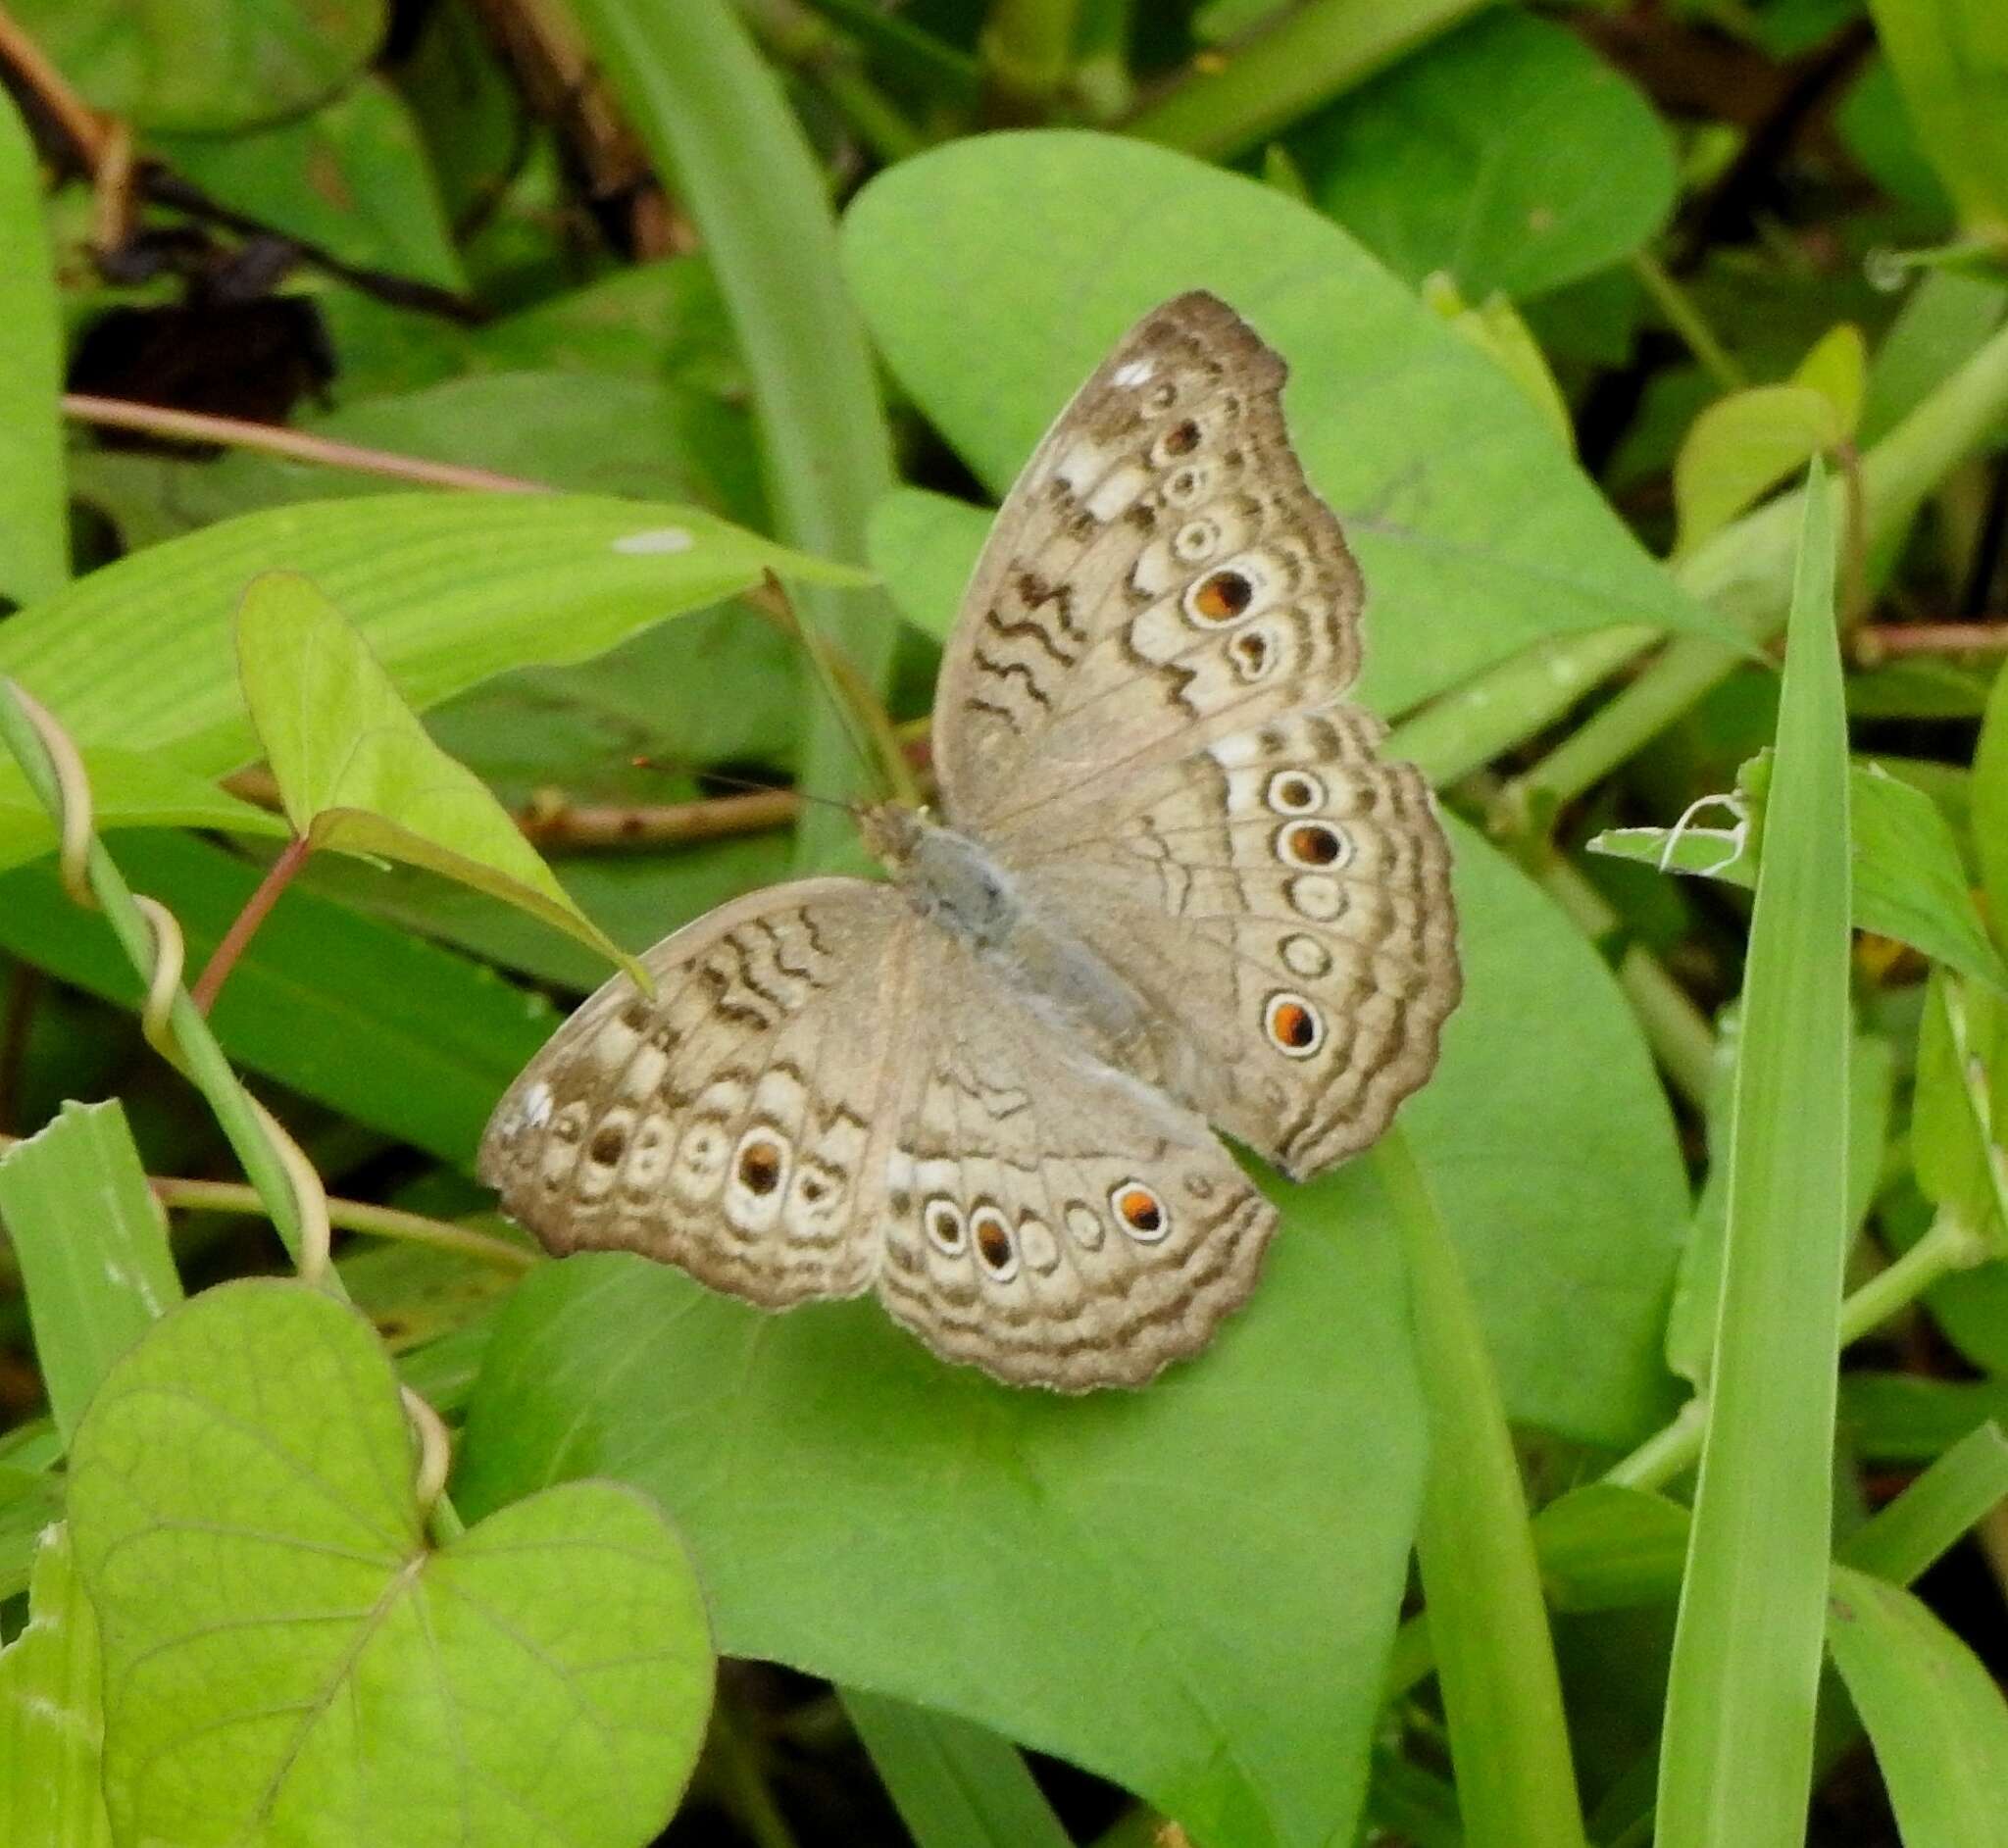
x,y
284,1648
92,1243
34,523
1736,1762
1934,1715
1741,447
51,1714
358,772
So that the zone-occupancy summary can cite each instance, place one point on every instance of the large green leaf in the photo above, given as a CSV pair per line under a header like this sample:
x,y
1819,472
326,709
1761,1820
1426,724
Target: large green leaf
x,y
1950,58
1937,1718
34,526
284,1647
1507,153
998,272
449,588
357,771
92,1243
207,65
1126,1579
52,1714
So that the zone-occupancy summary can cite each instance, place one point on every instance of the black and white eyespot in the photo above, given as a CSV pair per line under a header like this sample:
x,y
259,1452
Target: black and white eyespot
x,y
1305,956
1294,792
948,1229
1293,1024
991,1232
1140,1210
1035,1241
1188,485
1316,846
1196,541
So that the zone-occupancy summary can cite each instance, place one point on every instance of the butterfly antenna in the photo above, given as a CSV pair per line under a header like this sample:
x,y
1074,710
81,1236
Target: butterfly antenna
x,y
861,717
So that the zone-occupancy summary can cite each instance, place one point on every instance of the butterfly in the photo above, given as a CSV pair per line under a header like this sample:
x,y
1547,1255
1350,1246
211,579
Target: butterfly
x,y
1171,884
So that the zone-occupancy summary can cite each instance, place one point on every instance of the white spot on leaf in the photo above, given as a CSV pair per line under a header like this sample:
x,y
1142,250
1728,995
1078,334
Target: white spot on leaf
x,y
655,543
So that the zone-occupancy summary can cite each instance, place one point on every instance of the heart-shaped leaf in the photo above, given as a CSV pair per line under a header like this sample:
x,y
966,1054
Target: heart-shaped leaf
x,y
284,1652
356,770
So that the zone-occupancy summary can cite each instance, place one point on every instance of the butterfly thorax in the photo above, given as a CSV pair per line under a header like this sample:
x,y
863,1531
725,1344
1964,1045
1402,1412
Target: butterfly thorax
x,y
956,884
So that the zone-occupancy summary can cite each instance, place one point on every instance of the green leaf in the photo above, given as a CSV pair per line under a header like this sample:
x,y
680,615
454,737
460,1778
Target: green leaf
x,y
92,1243
1906,877
1744,444
318,983
1950,59
449,588
351,176
1990,799
357,771
1736,1760
282,1646
1495,1658
1933,1712
1909,1534
31,1502
955,1785
35,520
1905,1418
193,64
51,1714
1148,1662
998,273
1605,1546
1507,153
128,789
1949,1147
1497,330
924,546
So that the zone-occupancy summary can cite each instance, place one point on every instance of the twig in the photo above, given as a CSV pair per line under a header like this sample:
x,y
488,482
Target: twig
x,y
199,426
1688,322
1856,596
88,131
223,957
1877,642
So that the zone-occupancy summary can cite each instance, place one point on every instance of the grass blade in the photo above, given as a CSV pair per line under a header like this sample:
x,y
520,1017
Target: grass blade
x,y
52,1714
34,519
93,1249
956,1784
1496,1661
1937,1720
1736,1763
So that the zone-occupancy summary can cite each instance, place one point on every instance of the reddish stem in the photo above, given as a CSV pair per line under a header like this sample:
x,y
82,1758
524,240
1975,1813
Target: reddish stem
x,y
223,957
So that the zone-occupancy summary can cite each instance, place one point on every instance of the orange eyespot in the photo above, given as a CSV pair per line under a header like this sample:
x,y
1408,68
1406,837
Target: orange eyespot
x,y
1182,439
1141,1210
1293,1024
760,1168
1223,596
1311,844
994,1240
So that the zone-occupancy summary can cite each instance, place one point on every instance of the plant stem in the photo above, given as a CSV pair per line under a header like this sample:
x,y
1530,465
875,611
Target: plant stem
x,y
1309,55
1027,48
223,957
353,1215
1875,643
1688,322
198,427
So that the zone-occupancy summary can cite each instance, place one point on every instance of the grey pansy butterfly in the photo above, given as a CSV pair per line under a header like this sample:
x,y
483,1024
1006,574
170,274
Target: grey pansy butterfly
x,y
1172,883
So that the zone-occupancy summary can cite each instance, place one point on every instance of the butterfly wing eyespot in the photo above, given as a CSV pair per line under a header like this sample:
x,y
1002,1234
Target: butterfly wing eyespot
x,y
1293,1023
948,1229
1220,597
1294,792
990,1233
1140,1210
1316,846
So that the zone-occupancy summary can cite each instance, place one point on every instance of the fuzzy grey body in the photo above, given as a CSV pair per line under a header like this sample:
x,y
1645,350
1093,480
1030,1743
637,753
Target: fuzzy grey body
x,y
956,884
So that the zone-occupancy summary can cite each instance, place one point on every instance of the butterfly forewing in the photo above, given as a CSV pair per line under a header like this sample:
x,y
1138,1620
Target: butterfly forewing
x,y
1160,574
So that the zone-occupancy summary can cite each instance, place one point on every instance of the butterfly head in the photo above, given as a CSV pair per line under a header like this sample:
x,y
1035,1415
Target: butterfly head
x,y
892,832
